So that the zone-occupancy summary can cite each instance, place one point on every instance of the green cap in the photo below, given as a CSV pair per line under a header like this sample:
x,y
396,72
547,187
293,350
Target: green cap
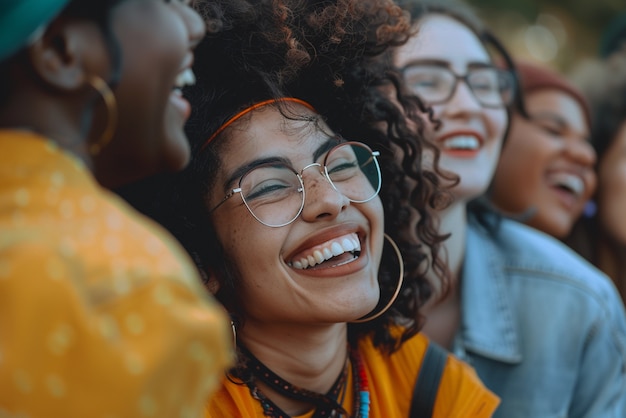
x,y
20,19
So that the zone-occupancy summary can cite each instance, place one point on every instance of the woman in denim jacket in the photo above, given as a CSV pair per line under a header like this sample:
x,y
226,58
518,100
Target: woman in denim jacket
x,y
544,329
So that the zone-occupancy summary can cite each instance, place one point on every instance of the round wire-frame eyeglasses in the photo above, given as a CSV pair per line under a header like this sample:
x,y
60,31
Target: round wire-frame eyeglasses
x,y
274,193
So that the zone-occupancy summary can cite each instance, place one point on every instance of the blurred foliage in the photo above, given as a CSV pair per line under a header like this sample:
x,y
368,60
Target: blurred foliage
x,y
559,33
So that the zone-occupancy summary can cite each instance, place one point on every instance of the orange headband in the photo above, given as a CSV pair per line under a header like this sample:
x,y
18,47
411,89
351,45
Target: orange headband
x,y
250,109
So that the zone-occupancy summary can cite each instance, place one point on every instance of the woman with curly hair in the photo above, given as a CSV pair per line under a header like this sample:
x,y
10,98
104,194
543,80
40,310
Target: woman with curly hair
x,y
544,329
286,204
101,311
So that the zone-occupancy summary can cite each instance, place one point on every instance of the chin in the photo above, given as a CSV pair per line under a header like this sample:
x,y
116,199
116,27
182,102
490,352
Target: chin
x,y
364,309
468,191
558,228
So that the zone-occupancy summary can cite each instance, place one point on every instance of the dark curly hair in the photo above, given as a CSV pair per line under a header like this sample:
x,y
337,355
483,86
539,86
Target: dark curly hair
x,y
330,54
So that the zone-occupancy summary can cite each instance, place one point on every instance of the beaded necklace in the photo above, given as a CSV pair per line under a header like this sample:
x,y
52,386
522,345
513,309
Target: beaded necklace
x,y
327,405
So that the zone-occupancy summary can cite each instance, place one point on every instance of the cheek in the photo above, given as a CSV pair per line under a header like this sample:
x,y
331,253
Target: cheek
x,y
527,154
591,179
143,97
496,121
255,246
150,63
522,139
377,224
231,229
377,206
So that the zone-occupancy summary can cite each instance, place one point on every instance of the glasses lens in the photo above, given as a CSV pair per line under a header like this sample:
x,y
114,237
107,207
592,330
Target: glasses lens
x,y
431,83
492,87
273,194
353,170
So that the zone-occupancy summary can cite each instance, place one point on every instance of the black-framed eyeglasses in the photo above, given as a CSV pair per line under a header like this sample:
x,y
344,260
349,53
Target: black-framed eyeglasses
x,y
274,192
435,84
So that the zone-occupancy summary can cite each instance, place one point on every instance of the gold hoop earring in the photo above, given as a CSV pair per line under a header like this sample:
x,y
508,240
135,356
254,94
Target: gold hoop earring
x,y
395,293
99,85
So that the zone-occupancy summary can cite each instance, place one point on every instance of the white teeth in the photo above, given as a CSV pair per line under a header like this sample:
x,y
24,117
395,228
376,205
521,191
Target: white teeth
x,y
462,142
347,244
568,181
185,78
336,248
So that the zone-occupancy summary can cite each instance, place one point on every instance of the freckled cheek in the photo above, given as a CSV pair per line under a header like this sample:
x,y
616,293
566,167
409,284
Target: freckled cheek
x,y
233,238
230,228
251,244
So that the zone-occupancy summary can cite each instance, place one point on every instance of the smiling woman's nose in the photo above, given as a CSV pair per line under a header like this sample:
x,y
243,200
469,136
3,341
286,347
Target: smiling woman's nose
x,y
321,199
195,25
462,101
581,152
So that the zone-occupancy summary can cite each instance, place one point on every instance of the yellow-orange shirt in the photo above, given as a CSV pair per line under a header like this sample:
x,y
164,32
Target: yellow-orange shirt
x,y
101,311
391,380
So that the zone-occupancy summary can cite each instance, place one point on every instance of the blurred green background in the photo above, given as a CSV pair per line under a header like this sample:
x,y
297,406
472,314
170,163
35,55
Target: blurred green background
x,y
560,33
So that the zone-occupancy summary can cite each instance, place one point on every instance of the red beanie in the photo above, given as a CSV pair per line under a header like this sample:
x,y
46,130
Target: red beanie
x,y
534,77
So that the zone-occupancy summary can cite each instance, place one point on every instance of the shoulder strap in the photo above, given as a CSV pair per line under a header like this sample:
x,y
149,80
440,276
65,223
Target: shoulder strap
x,y
427,383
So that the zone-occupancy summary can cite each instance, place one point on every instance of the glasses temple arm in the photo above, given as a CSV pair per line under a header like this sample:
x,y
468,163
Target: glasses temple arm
x,y
228,196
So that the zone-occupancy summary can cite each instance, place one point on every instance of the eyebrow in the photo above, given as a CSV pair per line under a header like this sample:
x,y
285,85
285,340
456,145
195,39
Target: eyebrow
x,y
327,146
242,170
444,63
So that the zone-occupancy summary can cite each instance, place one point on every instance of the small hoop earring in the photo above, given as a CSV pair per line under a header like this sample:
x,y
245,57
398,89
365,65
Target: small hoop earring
x,y
232,327
395,293
99,85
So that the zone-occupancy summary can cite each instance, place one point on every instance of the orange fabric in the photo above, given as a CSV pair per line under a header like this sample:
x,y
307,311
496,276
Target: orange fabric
x,y
391,380
101,312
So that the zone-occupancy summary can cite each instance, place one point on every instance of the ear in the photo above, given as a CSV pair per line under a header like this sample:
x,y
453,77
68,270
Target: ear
x,y
61,57
211,283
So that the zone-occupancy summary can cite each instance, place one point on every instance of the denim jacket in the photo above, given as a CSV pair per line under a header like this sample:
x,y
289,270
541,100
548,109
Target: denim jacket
x,y
544,329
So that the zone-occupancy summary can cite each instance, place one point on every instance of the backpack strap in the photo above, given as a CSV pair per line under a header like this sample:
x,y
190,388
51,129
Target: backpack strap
x,y
427,383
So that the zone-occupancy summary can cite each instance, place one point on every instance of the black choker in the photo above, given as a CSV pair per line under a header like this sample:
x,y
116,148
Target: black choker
x,y
328,405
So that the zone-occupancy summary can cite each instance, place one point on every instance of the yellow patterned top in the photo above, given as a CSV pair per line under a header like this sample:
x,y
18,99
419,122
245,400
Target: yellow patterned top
x,y
101,311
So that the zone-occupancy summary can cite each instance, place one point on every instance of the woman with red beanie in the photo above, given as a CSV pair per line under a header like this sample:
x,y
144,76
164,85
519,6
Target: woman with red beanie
x,y
545,174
